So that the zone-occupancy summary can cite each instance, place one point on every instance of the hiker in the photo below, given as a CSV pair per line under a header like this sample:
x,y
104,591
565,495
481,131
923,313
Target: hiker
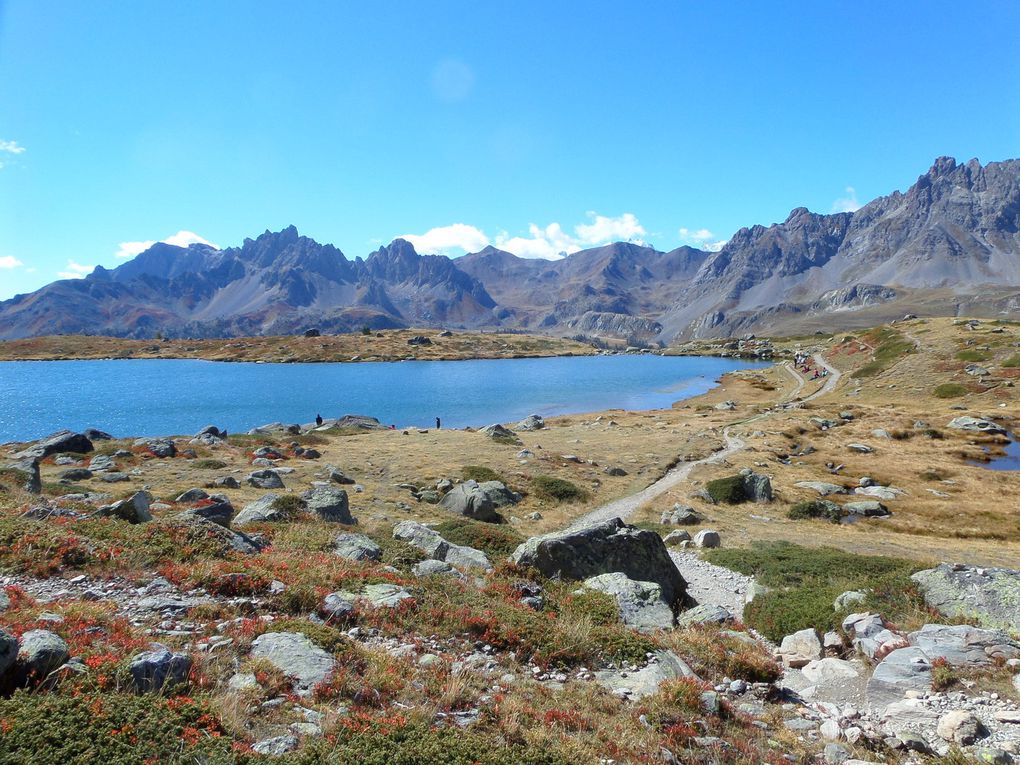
x,y
438,424
318,420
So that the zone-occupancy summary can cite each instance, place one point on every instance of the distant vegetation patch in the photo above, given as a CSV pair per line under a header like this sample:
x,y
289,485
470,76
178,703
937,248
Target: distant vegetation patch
x,y
973,355
494,540
557,489
1012,362
803,582
729,490
814,509
950,390
889,345
481,474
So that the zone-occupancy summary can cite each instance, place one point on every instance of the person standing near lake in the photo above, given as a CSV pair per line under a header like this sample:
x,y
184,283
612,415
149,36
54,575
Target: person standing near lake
x,y
318,420
439,424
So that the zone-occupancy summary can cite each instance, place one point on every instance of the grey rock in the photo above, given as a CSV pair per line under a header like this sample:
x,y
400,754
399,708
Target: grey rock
x,y
681,515
40,652
905,669
479,501
989,595
265,509
676,537
707,538
870,508
26,472
135,509
464,557
960,726
114,477
356,547
835,754
379,595
432,567
158,668
102,462
531,422
801,648
976,424
645,681
615,471
192,495
295,656
329,504
162,448
62,441
336,606
604,548
704,614
849,599
265,479
225,482
8,651
219,511
757,487
276,746
76,474
822,487
422,537
965,646
336,475
640,604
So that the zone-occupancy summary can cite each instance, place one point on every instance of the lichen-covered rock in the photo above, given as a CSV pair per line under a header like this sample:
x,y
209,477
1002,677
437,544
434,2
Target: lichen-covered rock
x,y
266,508
134,509
8,651
640,603
26,472
329,504
479,501
295,656
989,595
40,653
157,668
265,479
61,441
978,424
604,548
663,665
356,547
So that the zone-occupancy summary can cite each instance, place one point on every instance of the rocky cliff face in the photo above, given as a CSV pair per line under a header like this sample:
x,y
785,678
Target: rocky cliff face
x,y
950,244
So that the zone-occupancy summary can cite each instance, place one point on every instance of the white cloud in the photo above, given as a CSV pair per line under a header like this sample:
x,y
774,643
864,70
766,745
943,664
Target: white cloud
x,y
180,239
75,271
456,236
848,203
9,261
452,80
11,147
550,242
701,238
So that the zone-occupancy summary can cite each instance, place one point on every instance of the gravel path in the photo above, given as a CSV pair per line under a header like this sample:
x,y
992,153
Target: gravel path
x,y
713,585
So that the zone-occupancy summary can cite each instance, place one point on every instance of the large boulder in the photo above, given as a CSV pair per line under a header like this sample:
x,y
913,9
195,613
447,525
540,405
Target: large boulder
x,y
801,648
358,422
157,668
328,503
976,424
134,509
477,501
432,544
8,651
26,473
499,433
991,596
356,547
531,422
963,645
903,670
62,441
757,487
266,508
216,509
40,653
604,548
265,479
163,448
640,603
662,666
295,656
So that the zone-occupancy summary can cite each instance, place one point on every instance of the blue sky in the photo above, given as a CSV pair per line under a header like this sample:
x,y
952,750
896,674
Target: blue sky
x,y
542,127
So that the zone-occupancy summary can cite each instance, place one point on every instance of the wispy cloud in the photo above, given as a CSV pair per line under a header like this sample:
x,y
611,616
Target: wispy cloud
x,y
180,239
848,203
75,271
550,242
11,147
701,238
9,261
452,80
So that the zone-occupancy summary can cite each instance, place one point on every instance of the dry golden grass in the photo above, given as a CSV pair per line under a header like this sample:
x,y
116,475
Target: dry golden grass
x,y
382,345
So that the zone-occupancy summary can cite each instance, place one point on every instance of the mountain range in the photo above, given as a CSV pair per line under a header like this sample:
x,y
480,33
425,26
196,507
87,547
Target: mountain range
x,y
949,245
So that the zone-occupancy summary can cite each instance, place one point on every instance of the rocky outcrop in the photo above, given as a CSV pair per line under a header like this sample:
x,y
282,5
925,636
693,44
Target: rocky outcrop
x,y
329,504
989,595
295,656
641,604
612,546
432,544
479,501
63,441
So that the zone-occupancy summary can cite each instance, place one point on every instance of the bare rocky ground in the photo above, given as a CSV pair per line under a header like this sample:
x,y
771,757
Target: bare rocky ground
x,y
331,618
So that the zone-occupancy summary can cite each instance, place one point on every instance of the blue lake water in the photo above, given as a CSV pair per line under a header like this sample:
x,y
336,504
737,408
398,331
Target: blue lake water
x,y
140,397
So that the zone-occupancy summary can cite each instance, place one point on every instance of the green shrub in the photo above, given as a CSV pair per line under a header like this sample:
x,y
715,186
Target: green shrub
x,y
973,355
496,541
328,638
480,474
51,729
949,390
1012,362
814,509
556,489
890,347
729,490
209,464
803,583
291,504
